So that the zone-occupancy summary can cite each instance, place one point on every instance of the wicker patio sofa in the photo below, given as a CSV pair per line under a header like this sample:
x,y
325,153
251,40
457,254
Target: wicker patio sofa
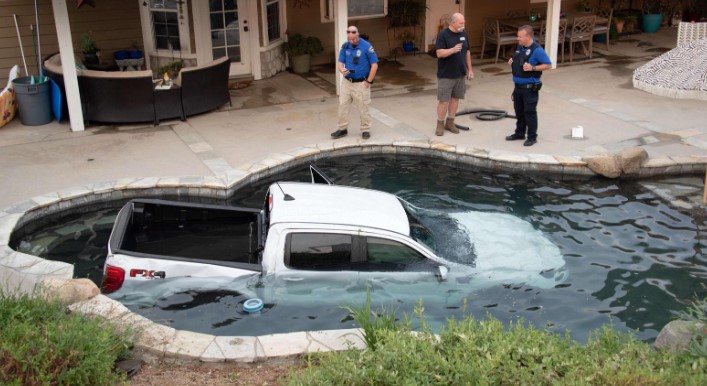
x,y
130,96
205,87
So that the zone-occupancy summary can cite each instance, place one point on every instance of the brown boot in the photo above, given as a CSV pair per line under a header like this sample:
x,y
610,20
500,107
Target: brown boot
x,y
439,131
449,125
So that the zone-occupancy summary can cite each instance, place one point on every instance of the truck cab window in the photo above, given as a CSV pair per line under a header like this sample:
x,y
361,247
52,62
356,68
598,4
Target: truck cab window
x,y
319,251
389,255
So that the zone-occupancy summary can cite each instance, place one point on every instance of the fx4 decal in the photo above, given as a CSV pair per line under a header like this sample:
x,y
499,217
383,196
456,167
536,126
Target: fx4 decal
x,y
147,273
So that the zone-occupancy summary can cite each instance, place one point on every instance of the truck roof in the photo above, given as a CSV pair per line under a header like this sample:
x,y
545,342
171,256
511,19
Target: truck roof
x,y
335,204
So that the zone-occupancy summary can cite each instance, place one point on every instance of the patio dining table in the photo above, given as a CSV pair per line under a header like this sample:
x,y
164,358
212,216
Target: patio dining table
x,y
517,22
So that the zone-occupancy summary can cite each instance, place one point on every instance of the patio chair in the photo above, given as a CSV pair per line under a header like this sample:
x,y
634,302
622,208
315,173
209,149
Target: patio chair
x,y
604,27
494,34
542,35
582,31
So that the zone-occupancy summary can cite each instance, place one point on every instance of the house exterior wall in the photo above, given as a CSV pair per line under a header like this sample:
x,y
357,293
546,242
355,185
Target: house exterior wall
x,y
115,25
306,19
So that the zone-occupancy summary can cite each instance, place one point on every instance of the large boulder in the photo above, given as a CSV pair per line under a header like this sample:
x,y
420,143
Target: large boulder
x,y
605,164
69,291
631,159
676,335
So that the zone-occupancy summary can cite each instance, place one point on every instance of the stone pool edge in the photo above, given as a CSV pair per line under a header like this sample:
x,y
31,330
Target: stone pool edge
x,y
22,273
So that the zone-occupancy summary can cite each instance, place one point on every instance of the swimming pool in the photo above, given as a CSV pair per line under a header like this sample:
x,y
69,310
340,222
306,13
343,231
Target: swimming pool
x,y
627,257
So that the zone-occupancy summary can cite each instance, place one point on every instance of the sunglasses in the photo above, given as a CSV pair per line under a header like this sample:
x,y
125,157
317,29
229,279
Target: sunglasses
x,y
352,32
355,60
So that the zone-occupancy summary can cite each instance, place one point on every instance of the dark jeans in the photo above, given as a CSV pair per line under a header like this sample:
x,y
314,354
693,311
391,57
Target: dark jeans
x,y
525,103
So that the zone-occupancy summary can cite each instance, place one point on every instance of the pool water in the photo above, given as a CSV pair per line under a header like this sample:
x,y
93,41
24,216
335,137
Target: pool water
x,y
560,254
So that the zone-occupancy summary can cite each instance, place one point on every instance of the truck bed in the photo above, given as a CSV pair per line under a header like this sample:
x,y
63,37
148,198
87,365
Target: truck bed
x,y
166,229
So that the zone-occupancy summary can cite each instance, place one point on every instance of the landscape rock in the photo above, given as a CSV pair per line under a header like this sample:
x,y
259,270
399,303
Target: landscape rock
x,y
605,164
676,335
69,291
631,159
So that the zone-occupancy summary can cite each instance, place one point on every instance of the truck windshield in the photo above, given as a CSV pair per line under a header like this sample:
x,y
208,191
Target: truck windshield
x,y
418,231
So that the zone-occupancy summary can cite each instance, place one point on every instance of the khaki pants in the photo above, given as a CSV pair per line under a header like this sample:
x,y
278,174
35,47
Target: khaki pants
x,y
359,95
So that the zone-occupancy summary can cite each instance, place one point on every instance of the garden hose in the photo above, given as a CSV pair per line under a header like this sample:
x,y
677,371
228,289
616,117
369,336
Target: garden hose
x,y
483,115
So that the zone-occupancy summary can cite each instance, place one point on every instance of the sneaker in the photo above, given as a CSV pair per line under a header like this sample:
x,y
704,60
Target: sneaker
x,y
514,137
530,142
365,135
339,133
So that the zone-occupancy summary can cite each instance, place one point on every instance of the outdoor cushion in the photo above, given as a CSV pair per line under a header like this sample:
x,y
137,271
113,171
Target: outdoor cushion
x,y
678,73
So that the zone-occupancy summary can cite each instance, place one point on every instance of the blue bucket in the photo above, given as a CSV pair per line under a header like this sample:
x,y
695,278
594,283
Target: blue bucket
x,y
120,55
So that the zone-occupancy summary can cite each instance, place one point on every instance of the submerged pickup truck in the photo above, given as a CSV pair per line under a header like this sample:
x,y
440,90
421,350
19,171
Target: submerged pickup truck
x,y
313,228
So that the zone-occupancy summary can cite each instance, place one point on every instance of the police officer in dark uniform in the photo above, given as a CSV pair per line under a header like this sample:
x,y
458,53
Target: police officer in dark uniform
x,y
527,64
358,63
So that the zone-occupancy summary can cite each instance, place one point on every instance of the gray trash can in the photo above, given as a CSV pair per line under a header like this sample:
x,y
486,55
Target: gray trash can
x,y
34,101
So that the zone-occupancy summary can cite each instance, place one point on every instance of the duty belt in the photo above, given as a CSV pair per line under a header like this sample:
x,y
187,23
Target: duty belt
x,y
355,80
528,85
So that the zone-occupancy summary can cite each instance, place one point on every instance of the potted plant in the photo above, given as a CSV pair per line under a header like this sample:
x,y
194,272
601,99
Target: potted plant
x,y
630,24
584,6
652,15
89,49
619,22
171,69
408,39
135,52
405,13
300,50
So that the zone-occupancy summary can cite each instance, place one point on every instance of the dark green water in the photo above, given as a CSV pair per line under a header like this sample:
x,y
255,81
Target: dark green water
x,y
628,258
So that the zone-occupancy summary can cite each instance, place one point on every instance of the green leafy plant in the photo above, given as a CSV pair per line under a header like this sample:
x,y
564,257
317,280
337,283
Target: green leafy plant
x,y
697,313
88,45
485,352
405,13
407,36
372,322
584,6
297,45
172,69
42,344
653,7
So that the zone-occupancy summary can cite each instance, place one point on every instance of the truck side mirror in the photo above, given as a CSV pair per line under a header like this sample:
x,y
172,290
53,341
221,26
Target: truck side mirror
x,y
442,273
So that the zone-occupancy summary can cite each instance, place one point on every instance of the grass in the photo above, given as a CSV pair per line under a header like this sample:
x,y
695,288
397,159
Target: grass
x,y
485,352
42,344
697,313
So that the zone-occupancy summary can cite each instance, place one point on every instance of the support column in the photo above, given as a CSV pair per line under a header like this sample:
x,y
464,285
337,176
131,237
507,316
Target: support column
x,y
341,16
68,64
553,30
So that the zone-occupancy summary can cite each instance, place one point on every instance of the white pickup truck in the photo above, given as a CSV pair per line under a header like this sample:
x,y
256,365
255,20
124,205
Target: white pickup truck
x,y
321,230
303,227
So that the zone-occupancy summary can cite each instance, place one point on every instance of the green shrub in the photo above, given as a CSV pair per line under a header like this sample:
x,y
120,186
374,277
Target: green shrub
x,y
697,313
42,344
372,322
485,353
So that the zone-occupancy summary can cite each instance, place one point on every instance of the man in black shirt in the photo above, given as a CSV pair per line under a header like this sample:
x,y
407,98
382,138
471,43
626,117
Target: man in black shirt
x,y
453,66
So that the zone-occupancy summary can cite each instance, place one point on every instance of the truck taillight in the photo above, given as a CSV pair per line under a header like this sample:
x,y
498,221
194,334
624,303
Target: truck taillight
x,y
112,279
270,202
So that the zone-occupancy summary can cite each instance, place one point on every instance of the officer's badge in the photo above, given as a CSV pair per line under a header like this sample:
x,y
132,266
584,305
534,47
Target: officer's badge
x,y
527,52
